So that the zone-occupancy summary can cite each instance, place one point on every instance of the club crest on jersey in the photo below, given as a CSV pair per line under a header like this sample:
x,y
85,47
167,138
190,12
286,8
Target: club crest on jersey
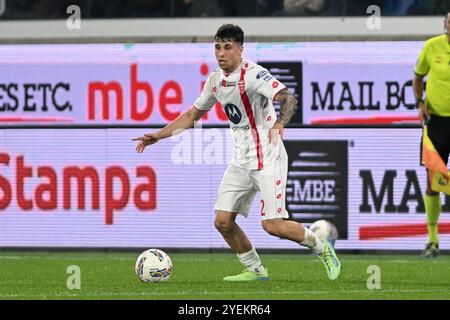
x,y
233,113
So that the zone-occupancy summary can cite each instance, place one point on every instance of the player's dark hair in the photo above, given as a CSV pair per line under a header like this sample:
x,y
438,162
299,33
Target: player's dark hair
x,y
229,32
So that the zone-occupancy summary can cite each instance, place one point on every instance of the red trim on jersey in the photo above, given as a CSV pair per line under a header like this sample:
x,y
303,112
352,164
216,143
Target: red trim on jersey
x,y
197,108
279,90
251,119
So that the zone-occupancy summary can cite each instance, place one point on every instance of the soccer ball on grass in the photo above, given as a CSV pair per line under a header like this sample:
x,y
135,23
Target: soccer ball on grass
x,y
153,265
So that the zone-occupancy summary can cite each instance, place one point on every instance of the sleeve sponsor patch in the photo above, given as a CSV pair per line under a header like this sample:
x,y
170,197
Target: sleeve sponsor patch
x,y
264,74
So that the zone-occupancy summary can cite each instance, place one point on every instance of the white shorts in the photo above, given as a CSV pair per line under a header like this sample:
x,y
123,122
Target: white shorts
x,y
239,186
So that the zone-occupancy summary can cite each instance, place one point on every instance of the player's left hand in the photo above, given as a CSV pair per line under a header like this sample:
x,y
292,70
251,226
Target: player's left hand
x,y
146,140
276,132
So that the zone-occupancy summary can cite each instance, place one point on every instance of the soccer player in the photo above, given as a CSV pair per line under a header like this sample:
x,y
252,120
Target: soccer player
x,y
434,62
259,163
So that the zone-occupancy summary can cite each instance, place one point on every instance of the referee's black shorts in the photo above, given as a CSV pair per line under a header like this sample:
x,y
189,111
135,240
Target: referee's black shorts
x,y
439,134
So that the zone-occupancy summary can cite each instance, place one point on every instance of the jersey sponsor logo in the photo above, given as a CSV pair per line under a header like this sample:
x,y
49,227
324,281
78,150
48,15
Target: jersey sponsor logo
x,y
233,113
226,83
265,75
244,128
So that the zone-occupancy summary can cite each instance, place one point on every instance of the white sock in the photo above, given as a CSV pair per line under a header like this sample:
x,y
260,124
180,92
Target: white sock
x,y
251,261
313,242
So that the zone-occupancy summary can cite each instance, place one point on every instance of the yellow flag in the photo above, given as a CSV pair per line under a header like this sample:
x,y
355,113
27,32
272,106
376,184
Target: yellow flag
x,y
438,171
440,183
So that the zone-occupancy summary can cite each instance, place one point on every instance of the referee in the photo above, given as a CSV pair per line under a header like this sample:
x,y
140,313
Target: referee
x,y
434,62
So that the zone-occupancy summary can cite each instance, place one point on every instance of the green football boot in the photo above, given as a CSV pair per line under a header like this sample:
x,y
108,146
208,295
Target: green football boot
x,y
330,261
431,250
248,275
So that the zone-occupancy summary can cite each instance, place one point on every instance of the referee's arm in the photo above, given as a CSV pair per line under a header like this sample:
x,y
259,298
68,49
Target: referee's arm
x,y
418,86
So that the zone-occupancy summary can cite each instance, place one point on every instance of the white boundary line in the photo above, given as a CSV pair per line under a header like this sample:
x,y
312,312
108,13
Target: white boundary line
x,y
190,293
213,259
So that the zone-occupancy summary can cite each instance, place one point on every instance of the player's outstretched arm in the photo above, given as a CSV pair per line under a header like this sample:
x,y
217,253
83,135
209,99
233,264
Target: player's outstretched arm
x,y
287,110
184,121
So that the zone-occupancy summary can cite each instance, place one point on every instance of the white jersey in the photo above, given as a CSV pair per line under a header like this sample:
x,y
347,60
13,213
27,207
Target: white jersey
x,y
246,95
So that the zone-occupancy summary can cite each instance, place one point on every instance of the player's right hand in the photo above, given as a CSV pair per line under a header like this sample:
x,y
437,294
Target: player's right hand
x,y
424,113
146,140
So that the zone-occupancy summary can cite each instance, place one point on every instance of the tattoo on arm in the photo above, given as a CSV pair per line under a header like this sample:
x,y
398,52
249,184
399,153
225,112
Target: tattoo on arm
x,y
288,106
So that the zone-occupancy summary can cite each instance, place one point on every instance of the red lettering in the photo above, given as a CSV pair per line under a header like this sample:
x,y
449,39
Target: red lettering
x,y
204,69
46,194
165,99
22,172
51,188
112,203
81,175
149,188
104,90
137,86
4,184
170,98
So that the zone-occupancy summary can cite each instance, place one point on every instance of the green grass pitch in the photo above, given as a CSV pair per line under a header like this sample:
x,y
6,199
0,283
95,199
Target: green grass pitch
x,y
110,275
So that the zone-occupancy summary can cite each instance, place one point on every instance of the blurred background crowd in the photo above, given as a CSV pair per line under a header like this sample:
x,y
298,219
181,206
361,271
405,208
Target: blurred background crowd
x,y
98,9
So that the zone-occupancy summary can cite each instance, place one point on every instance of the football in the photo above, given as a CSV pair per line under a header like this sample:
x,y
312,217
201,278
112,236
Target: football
x,y
325,230
153,265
